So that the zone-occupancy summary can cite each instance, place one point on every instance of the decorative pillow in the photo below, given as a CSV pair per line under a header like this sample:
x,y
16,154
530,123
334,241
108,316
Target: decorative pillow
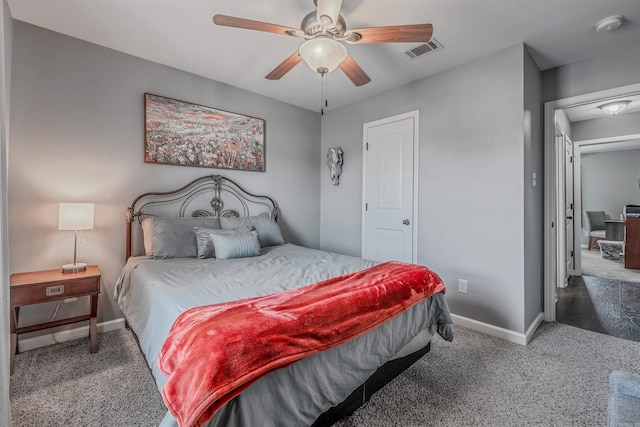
x,y
236,245
175,238
147,235
269,233
204,244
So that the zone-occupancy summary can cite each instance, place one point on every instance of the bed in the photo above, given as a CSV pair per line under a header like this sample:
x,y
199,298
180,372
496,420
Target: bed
x,y
161,281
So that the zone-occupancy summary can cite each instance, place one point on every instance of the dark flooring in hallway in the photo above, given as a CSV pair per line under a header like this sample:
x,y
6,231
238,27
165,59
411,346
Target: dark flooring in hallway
x,y
607,306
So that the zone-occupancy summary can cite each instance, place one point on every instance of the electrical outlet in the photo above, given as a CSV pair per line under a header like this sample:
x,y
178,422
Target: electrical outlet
x,y
462,286
71,299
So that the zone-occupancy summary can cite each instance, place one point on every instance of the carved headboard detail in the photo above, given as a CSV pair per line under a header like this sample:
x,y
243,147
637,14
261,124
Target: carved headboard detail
x,y
211,195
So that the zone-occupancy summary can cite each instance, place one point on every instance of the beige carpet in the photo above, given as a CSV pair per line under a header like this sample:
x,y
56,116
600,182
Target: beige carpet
x,y
594,265
559,379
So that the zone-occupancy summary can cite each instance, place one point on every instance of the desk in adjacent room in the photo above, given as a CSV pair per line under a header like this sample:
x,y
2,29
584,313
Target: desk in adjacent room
x,y
632,243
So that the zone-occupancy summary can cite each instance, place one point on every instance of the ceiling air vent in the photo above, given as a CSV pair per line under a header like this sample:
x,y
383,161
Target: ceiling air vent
x,y
431,46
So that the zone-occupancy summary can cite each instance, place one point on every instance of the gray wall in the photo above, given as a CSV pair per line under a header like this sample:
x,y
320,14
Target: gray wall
x,y
606,71
77,130
6,24
605,127
533,195
471,179
610,181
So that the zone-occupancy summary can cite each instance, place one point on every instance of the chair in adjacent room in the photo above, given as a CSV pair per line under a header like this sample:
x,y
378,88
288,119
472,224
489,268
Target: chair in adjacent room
x,y
595,224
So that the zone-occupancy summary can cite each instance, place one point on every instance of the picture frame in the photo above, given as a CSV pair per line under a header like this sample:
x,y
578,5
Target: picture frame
x,y
187,134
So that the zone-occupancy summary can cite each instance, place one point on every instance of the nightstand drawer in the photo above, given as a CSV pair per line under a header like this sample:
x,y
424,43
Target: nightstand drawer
x,y
54,290
43,292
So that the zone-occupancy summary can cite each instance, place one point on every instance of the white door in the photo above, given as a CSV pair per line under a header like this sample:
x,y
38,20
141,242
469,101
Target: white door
x,y
389,196
568,207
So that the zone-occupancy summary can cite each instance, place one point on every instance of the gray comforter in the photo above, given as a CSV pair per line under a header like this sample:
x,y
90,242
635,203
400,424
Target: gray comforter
x,y
153,293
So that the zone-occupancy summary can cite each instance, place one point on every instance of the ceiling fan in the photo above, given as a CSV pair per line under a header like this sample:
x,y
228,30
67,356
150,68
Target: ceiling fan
x,y
323,31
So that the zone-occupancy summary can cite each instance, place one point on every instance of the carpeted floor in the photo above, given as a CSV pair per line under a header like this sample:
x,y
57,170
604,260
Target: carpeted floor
x,y
594,265
559,379
65,385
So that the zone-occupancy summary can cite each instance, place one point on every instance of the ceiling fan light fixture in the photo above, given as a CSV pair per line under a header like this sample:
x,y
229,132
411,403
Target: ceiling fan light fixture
x,y
323,54
613,108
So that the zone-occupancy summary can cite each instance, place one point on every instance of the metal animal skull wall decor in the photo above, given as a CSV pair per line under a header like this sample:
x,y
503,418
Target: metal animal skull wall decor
x,y
335,157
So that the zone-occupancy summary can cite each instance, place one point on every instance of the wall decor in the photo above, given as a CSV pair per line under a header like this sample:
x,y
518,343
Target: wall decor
x,y
335,158
181,133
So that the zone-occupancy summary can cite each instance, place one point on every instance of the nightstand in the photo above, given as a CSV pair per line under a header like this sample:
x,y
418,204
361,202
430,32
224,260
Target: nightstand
x,y
53,285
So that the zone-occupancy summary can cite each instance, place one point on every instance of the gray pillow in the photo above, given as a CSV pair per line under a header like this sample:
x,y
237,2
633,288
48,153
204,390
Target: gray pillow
x,y
269,233
204,244
236,245
175,238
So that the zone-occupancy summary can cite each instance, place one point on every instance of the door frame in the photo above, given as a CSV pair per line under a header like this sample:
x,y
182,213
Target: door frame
x,y
552,183
562,272
415,114
577,180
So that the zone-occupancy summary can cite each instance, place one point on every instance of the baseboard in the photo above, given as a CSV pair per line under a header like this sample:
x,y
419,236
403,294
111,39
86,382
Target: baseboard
x,y
496,331
71,334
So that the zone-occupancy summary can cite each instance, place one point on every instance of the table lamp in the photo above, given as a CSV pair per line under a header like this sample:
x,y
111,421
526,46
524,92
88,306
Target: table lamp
x,y
76,217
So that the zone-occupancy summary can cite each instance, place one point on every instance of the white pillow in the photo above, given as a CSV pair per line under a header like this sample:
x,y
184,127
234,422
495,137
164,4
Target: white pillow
x,y
147,235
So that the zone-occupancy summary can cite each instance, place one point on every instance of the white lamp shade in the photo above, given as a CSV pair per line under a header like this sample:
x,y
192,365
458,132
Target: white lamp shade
x,y
75,216
323,54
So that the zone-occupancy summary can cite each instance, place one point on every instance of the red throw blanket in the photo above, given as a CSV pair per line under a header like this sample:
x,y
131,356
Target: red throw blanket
x,y
215,352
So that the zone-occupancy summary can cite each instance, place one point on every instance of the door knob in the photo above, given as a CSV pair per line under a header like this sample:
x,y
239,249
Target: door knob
x,y
406,222
569,217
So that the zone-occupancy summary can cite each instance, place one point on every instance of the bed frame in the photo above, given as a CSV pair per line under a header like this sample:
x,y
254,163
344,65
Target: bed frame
x,y
215,195
211,195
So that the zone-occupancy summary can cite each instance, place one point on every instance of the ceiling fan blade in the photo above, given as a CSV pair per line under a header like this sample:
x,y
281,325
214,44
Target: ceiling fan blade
x,y
354,72
391,34
248,24
284,67
330,10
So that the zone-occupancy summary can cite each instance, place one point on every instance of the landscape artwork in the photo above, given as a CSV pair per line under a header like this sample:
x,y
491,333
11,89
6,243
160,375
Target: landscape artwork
x,y
181,133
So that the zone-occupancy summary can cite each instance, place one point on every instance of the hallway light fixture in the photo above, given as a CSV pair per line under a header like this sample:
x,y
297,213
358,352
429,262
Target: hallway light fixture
x,y
613,108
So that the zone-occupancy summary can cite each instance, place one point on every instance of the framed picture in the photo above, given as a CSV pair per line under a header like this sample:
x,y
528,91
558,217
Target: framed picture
x,y
181,133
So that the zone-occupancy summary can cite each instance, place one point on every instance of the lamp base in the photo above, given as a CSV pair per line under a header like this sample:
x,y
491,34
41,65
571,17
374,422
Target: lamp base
x,y
74,268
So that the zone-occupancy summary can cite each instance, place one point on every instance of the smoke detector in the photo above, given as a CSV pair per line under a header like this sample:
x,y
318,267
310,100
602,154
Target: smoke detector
x,y
609,24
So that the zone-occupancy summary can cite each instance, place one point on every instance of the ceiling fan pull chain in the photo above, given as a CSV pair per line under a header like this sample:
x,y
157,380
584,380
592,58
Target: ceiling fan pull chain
x,y
323,101
326,90
322,95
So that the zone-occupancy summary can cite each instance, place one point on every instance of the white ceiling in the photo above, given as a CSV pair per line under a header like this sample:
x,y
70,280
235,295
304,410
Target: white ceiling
x,y
181,34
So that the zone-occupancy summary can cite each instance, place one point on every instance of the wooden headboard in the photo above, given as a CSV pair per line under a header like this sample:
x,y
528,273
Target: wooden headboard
x,y
211,195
